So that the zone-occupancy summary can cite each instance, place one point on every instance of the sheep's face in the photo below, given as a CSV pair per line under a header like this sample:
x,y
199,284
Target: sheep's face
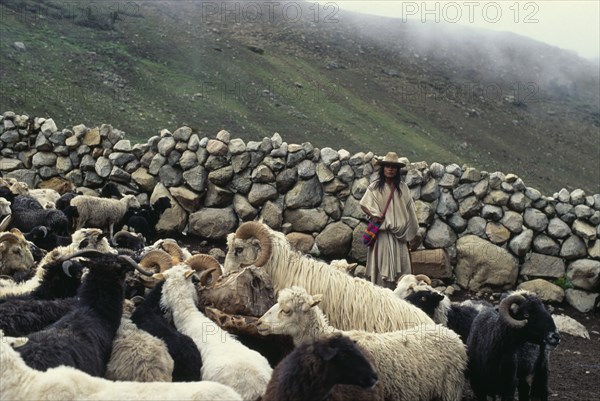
x,y
91,238
15,254
291,314
4,207
132,202
428,301
240,253
540,327
178,286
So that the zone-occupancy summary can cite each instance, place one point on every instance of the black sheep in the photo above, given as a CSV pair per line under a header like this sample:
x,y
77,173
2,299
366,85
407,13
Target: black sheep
x,y
495,346
457,317
311,371
27,219
148,316
110,190
60,279
25,202
144,220
83,338
20,317
46,239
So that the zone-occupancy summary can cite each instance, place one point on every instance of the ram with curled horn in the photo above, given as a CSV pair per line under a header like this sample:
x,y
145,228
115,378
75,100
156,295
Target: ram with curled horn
x,y
350,303
248,292
155,261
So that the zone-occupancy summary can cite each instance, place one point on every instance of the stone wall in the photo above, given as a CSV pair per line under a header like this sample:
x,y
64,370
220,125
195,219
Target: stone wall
x,y
498,232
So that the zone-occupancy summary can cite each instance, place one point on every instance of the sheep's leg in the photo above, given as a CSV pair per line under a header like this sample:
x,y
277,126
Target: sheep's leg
x,y
110,230
523,388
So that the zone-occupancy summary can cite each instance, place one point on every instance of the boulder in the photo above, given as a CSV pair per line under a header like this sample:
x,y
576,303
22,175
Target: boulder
x,y
306,220
213,223
434,263
585,274
581,300
481,263
301,242
539,265
547,291
335,240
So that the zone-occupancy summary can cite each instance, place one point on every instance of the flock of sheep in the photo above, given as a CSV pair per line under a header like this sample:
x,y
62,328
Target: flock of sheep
x,y
87,313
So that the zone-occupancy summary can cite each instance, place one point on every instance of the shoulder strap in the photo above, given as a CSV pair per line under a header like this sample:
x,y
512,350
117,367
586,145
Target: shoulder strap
x,y
388,202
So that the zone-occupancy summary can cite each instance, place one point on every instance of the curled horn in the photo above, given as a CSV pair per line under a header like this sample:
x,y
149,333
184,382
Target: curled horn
x,y
504,310
203,277
422,277
9,237
258,230
172,248
157,258
205,262
5,222
136,266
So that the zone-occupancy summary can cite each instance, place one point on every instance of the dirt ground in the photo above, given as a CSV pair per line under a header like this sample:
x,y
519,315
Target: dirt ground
x,y
574,364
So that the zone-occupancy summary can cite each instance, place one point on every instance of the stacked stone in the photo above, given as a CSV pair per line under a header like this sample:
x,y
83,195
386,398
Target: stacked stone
x,y
497,231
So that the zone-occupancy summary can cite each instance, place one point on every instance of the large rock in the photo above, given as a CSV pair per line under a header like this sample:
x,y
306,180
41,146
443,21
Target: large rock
x,y
213,223
573,248
170,176
217,196
584,274
521,243
535,219
558,228
272,215
581,300
546,245
103,167
440,235
305,194
352,208
335,240
538,265
301,242
174,219
497,233
359,250
584,230
446,204
260,193
434,263
481,263
425,213
469,207
243,208
513,221
189,200
306,220
196,178
547,291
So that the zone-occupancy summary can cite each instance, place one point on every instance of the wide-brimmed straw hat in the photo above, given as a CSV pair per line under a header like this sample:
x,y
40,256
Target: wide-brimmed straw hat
x,y
390,159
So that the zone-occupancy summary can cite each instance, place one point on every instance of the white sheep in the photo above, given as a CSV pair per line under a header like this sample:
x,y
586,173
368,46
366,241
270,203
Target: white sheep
x,y
20,382
409,283
349,302
46,196
224,358
102,212
138,356
421,363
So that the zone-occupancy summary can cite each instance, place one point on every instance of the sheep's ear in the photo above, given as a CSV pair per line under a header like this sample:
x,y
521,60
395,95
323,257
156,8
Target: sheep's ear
x,y
328,353
159,276
316,299
17,342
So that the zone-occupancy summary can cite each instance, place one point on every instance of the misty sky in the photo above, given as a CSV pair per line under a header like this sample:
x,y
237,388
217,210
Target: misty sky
x,y
569,24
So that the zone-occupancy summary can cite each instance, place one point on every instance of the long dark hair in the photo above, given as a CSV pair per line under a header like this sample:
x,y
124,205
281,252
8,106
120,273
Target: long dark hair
x,y
381,179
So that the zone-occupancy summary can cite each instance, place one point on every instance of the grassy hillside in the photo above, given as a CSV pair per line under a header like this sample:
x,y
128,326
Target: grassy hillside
x,y
489,100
